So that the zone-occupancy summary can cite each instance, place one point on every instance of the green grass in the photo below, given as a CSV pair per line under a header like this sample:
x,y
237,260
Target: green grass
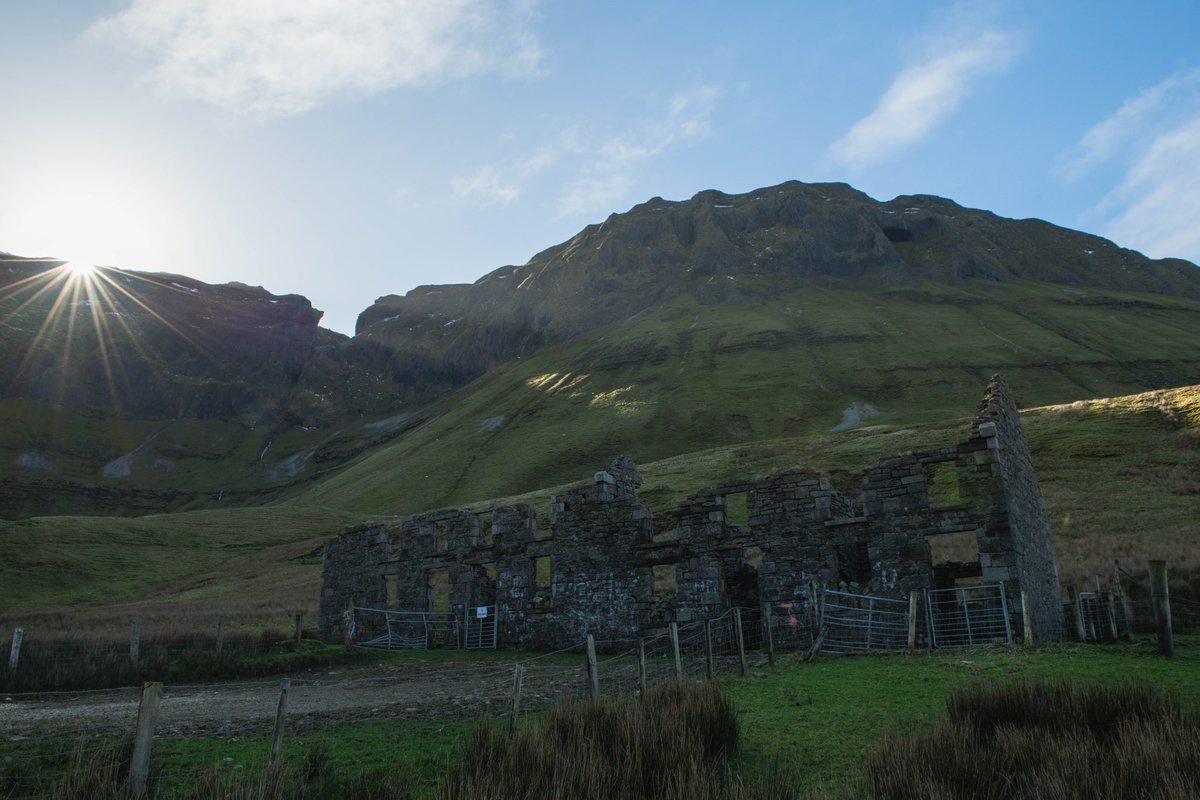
x,y
830,714
684,376
253,565
826,717
1121,479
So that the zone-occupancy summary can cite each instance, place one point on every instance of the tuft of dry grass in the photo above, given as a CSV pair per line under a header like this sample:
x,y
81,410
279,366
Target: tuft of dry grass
x,y
676,742
1032,740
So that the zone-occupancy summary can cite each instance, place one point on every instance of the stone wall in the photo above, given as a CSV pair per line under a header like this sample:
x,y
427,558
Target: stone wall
x,y
603,571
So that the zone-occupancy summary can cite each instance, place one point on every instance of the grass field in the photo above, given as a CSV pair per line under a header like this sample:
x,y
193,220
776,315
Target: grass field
x,y
1121,479
823,719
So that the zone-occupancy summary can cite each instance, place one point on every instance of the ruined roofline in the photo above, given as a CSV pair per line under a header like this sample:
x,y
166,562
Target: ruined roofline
x,y
601,569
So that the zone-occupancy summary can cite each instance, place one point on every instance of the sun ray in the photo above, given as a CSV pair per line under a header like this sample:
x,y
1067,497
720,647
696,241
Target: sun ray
x,y
73,286
142,304
113,308
51,279
102,342
46,326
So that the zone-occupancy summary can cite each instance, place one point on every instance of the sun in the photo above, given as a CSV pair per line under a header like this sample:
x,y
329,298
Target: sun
x,y
80,269
92,219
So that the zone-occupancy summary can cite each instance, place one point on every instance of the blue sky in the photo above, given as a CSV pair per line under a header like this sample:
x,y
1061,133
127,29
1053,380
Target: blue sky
x,y
347,149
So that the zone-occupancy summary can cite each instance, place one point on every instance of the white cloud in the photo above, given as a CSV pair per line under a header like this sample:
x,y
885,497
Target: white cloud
x,y
1151,143
923,96
1178,94
487,186
609,162
267,58
1159,199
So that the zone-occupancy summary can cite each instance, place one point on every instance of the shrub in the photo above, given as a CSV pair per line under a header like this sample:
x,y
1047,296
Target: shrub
x,y
1055,740
675,743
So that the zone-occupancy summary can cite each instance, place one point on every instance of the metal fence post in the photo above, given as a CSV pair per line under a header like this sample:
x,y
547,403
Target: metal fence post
x,y
708,648
741,644
674,629
768,634
912,620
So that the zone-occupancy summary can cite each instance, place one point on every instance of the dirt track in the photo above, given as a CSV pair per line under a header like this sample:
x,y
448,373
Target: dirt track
x,y
427,690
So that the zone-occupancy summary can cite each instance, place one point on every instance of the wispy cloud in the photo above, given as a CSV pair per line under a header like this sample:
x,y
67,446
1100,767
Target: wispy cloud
x,y
609,162
924,95
1171,101
1158,202
266,58
1153,141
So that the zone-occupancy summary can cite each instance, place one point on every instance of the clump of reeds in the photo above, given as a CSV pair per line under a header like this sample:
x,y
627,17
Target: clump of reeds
x,y
1043,740
95,770
676,742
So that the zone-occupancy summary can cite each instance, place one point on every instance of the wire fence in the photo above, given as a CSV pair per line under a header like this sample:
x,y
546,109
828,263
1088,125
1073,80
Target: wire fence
x,y
46,734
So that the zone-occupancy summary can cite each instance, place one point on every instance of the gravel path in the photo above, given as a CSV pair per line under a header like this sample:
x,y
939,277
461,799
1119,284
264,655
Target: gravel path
x,y
425,689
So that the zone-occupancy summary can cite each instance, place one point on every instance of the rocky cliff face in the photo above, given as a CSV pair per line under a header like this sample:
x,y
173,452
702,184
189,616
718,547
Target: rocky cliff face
x,y
126,392
159,346
792,234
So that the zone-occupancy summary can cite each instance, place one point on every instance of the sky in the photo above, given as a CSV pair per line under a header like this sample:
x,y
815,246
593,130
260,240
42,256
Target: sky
x,y
349,149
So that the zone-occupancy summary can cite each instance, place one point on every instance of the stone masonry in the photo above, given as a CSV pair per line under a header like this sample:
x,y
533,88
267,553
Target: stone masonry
x,y
600,569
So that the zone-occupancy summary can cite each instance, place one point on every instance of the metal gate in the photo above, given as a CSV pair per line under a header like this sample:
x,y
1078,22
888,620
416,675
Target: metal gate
x,y
859,622
968,616
471,628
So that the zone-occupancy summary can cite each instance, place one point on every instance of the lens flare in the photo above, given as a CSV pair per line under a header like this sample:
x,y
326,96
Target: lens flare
x,y
80,269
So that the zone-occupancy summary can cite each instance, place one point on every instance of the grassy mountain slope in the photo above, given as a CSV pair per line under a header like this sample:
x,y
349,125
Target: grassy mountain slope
x,y
685,375
127,392
768,242
1121,478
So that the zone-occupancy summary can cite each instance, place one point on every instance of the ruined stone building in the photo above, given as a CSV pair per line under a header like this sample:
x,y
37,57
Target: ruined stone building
x,y
601,570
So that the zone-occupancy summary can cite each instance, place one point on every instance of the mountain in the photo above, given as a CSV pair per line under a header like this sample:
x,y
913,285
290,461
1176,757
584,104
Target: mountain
x,y
676,326
736,250
135,392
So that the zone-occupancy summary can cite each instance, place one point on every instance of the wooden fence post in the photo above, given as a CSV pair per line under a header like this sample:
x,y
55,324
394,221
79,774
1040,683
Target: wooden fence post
x,y
1080,631
674,628
1125,608
299,627
1112,616
593,672
737,632
768,634
708,649
14,652
220,634
135,640
1105,609
285,686
1160,597
139,763
642,666
518,676
1026,622
913,610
